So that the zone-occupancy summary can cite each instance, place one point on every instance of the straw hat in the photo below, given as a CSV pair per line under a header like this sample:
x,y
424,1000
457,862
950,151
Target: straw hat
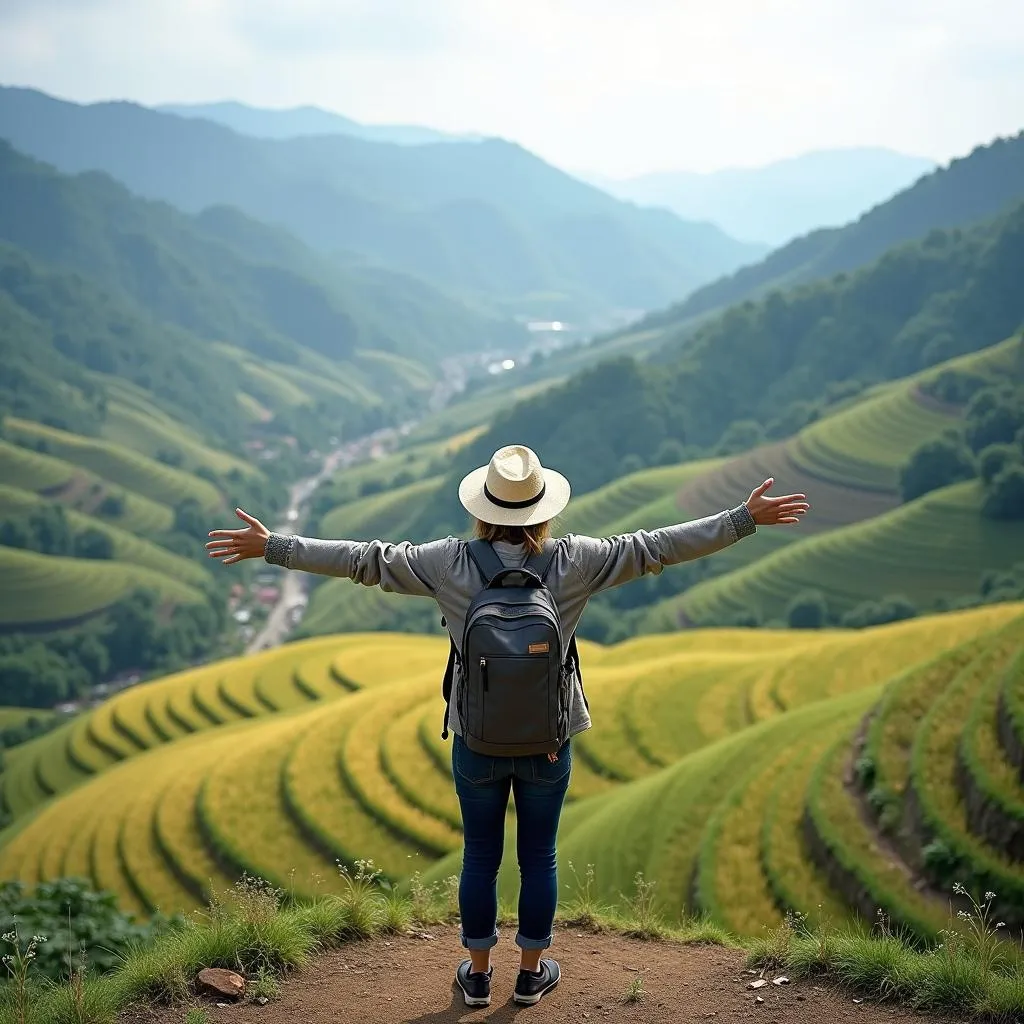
x,y
514,489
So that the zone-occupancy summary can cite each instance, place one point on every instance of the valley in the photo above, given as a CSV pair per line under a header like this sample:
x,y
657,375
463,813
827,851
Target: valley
x,y
203,309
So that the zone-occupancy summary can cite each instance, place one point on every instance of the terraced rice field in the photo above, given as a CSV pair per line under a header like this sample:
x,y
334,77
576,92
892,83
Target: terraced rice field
x,y
151,433
43,590
637,500
32,471
337,605
384,516
937,546
721,765
866,444
121,466
127,547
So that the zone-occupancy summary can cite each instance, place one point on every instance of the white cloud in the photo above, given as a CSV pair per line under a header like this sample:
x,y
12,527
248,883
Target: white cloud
x,y
594,84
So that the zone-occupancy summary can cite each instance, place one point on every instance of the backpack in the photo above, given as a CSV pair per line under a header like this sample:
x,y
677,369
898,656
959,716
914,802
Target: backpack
x,y
516,673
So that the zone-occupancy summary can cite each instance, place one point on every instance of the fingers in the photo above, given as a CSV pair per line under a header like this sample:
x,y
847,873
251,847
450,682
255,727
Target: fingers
x,y
788,499
226,542
758,491
233,558
246,518
228,533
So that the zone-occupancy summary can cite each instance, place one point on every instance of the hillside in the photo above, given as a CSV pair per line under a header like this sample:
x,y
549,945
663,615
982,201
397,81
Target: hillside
x,y
976,187
848,461
931,550
279,763
480,219
223,276
779,201
763,370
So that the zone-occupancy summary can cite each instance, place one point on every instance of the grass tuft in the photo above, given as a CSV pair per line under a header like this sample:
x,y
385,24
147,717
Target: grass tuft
x,y
635,991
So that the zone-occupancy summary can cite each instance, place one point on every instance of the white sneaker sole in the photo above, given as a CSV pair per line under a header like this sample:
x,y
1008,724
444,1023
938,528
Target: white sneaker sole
x,y
470,1001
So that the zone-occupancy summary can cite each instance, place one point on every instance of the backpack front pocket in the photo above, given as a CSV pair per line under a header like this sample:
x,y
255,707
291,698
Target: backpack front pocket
x,y
516,701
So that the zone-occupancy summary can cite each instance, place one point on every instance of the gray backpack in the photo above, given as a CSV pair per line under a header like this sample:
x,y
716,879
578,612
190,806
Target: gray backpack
x,y
516,674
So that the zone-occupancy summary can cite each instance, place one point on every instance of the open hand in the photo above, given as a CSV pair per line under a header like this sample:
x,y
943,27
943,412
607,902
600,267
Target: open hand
x,y
773,511
234,545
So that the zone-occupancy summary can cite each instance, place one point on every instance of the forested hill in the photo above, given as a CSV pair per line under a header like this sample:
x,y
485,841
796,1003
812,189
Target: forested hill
x,y
763,370
483,219
970,189
224,276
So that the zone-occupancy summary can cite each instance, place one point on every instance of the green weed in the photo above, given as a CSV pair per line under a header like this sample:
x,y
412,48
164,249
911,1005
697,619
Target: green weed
x,y
635,991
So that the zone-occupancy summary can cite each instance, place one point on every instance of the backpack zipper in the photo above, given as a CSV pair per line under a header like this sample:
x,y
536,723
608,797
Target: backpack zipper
x,y
483,672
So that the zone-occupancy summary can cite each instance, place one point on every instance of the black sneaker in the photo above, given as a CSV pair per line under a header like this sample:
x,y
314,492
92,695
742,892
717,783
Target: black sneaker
x,y
476,987
531,988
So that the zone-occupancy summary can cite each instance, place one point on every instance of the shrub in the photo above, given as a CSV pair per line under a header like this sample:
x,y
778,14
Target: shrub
x,y
79,925
995,458
936,464
808,610
895,608
1005,498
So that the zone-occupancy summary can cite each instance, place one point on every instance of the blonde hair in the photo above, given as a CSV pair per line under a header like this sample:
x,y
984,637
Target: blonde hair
x,y
532,536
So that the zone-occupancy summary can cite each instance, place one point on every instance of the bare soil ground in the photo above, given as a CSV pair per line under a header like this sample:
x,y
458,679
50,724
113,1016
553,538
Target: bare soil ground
x,y
408,980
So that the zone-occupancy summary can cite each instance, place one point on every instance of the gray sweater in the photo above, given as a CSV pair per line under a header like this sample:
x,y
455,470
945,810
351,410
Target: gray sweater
x,y
442,569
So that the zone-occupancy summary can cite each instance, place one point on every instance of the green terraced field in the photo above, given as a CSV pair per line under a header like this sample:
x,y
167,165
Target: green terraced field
x,y
736,796
32,471
866,444
121,466
384,516
937,546
42,590
57,480
128,548
641,498
151,433
338,605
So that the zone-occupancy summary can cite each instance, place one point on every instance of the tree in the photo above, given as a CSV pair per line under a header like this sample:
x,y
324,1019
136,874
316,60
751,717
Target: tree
x,y
994,459
1005,497
112,506
93,543
994,416
190,519
631,463
808,610
894,608
35,678
740,436
936,464
670,452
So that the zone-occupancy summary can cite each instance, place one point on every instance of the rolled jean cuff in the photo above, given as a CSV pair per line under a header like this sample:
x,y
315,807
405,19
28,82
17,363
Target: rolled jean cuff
x,y
489,943
524,943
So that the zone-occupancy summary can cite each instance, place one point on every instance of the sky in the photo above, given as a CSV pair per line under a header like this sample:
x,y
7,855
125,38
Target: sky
x,y
608,87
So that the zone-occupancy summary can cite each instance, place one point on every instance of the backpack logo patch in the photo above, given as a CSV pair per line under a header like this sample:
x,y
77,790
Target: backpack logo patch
x,y
539,648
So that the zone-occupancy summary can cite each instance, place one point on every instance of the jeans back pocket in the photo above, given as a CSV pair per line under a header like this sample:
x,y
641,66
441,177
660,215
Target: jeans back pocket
x,y
471,766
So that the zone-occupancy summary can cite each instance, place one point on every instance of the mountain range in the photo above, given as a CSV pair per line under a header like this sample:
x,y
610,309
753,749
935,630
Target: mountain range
x,y
921,279
486,221
781,200
293,122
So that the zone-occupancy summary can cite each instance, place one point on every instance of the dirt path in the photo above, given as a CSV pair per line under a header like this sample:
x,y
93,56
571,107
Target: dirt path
x,y
409,981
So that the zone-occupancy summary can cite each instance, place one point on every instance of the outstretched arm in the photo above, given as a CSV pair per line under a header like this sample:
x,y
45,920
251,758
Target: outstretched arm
x,y
416,569
611,561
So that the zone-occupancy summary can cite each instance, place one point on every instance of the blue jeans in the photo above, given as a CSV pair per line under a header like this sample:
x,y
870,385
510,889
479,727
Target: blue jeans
x,y
483,784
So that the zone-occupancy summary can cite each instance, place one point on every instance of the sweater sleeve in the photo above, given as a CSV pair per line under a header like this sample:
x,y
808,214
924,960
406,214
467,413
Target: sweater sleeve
x,y
611,561
416,569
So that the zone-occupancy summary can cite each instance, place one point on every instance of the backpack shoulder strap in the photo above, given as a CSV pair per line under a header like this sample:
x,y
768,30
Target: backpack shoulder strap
x,y
485,558
541,562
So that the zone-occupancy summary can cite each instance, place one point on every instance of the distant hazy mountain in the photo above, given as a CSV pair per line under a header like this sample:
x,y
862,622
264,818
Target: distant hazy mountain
x,y
487,220
296,121
777,202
